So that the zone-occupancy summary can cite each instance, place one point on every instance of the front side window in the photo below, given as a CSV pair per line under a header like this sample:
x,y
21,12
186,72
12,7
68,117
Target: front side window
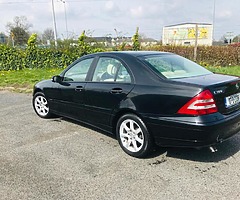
x,y
78,72
111,70
174,66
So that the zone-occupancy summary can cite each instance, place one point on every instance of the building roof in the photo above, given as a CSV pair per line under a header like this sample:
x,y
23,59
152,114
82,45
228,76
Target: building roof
x,y
188,23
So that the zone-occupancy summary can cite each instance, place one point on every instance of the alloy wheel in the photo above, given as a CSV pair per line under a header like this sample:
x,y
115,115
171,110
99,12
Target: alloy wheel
x,y
41,106
131,135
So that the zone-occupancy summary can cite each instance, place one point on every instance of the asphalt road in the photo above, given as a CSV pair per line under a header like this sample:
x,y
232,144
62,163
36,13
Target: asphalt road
x,y
61,159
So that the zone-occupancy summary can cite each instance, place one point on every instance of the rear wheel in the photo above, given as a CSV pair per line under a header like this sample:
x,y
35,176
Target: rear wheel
x,y
133,136
41,106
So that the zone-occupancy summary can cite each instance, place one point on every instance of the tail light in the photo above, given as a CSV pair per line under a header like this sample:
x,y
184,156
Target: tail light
x,y
202,104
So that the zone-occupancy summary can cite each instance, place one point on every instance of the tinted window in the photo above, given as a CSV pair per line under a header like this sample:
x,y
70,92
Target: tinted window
x,y
79,71
111,70
174,66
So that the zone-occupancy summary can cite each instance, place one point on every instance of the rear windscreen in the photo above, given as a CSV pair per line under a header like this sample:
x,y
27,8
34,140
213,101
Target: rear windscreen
x,y
173,66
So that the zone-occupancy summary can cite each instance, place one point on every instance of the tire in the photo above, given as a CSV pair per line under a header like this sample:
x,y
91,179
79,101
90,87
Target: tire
x,y
41,106
133,136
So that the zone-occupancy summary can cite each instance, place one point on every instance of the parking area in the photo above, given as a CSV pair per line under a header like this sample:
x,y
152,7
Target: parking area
x,y
61,159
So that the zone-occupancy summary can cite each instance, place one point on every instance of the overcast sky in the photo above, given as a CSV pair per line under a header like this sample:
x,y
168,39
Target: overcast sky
x,y
103,17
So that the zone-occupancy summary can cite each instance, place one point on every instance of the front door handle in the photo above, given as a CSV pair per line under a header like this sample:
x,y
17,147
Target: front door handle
x,y
116,90
79,88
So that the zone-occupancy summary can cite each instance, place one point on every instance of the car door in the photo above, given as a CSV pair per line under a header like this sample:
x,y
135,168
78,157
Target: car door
x,y
110,84
72,89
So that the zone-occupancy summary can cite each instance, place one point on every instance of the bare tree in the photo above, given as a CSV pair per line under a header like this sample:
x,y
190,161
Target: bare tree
x,y
48,35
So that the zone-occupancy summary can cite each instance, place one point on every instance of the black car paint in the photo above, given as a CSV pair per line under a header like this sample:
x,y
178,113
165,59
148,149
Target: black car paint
x,y
220,85
152,97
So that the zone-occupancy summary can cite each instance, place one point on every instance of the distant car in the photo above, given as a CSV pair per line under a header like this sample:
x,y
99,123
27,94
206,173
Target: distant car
x,y
144,98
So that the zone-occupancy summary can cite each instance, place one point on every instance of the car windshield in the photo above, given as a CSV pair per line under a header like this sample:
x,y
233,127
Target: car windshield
x,y
174,66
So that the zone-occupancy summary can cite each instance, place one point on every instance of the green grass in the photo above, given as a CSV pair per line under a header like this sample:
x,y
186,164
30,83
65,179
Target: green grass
x,y
23,80
231,70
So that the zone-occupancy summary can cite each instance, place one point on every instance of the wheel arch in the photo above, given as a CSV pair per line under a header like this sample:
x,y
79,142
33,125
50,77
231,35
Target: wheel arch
x,y
122,112
44,110
36,90
149,141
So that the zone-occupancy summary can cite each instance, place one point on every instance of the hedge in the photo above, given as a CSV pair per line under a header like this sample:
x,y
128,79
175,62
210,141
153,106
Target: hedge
x,y
206,55
12,58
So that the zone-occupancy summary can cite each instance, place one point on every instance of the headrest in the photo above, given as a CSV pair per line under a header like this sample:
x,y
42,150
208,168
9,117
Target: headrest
x,y
111,69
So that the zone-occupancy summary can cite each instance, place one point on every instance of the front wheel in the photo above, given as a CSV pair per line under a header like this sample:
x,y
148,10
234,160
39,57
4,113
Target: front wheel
x,y
133,136
41,106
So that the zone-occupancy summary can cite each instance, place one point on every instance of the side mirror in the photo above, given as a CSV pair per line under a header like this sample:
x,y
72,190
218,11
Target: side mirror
x,y
57,79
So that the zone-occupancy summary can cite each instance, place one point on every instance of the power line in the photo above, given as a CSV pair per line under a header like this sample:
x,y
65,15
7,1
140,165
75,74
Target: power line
x,y
20,2
30,2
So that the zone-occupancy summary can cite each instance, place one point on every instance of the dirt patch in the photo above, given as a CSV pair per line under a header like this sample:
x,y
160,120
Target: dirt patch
x,y
17,89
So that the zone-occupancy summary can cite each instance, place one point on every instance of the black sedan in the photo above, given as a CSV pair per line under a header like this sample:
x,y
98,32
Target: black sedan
x,y
144,98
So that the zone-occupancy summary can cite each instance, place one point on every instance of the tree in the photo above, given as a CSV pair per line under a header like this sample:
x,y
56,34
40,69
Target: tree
x,y
31,52
32,41
135,39
48,35
236,38
83,45
19,30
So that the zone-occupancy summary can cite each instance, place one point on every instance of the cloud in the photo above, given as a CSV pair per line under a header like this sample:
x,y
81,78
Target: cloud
x,y
109,5
224,14
137,12
125,15
111,10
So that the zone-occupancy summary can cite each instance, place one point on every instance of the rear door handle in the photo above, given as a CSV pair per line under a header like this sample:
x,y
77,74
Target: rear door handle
x,y
116,90
79,88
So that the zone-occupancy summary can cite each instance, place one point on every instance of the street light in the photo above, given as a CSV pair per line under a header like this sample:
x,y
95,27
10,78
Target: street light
x,y
66,23
54,25
214,13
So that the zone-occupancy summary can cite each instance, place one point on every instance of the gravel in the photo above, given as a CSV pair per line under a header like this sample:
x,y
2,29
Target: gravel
x,y
62,159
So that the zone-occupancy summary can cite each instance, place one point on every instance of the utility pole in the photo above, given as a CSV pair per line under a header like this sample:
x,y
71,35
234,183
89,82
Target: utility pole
x,y
196,43
54,24
214,15
12,37
65,12
116,32
116,42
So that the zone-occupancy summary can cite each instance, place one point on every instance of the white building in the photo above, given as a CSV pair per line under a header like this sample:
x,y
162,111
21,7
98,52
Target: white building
x,y
185,34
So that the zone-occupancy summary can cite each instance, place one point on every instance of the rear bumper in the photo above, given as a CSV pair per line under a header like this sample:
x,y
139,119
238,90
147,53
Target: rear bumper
x,y
193,131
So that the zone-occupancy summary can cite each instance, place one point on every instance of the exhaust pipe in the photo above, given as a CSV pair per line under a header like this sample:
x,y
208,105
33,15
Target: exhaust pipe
x,y
213,149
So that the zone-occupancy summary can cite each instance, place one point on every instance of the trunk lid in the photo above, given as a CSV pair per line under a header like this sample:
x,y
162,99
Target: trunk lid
x,y
225,89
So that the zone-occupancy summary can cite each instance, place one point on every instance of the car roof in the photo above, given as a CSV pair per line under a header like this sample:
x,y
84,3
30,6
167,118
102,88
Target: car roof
x,y
133,53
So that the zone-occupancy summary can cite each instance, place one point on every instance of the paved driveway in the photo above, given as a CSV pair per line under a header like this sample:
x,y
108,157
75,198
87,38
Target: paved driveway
x,y
61,159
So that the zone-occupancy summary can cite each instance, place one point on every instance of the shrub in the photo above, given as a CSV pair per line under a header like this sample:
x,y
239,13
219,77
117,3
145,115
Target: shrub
x,y
12,58
209,55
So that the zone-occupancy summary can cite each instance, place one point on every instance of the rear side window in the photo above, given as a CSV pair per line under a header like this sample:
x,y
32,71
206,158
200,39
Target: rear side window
x,y
174,66
111,70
